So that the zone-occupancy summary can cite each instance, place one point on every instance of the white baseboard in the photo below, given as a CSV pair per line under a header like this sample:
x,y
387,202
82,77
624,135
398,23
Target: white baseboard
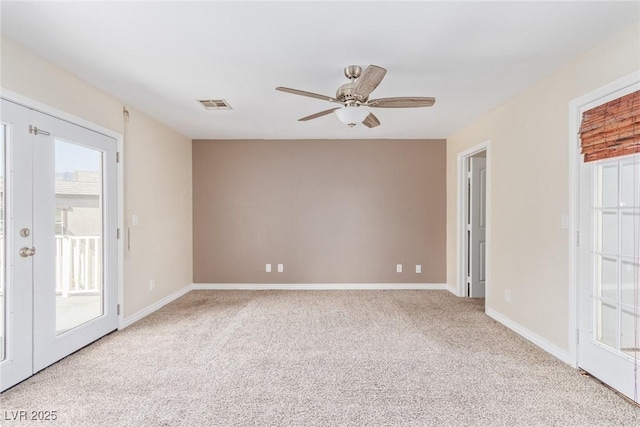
x,y
534,338
153,307
318,286
452,289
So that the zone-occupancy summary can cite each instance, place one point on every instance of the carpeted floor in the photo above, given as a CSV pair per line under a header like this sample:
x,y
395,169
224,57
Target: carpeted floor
x,y
325,358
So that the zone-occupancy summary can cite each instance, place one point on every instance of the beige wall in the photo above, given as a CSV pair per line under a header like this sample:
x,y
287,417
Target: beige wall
x,y
331,211
530,188
158,184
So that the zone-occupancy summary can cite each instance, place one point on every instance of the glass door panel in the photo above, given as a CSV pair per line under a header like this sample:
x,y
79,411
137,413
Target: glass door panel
x,y
78,235
629,333
616,226
629,273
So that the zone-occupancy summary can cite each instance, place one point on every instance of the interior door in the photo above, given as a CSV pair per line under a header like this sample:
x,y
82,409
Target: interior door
x,y
609,337
477,226
62,282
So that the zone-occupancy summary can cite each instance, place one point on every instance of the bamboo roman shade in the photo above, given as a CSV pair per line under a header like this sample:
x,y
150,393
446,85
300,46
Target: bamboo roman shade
x,y
611,129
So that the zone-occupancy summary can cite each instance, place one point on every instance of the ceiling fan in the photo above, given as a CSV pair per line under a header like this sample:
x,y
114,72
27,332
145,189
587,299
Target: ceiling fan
x,y
355,95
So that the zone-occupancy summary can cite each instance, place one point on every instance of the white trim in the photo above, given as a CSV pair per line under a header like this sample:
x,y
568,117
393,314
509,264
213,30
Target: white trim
x,y
121,227
155,306
575,110
452,289
574,206
550,348
121,223
461,227
43,108
319,286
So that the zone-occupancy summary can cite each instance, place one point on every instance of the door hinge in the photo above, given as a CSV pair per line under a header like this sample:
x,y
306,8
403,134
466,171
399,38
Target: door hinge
x,y
118,309
117,157
577,336
578,238
34,130
118,233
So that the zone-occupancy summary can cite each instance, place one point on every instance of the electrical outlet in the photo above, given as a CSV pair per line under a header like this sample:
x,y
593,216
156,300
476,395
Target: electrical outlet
x,y
280,268
418,268
268,268
398,268
152,284
507,296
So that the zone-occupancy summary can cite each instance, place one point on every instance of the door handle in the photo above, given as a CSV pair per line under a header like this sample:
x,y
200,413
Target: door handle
x,y
27,252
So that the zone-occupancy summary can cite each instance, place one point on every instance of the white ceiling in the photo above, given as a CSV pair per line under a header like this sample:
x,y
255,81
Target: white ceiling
x,y
161,56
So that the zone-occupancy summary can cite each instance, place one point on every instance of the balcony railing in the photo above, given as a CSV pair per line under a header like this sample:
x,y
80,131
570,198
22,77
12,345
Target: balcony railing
x,y
78,265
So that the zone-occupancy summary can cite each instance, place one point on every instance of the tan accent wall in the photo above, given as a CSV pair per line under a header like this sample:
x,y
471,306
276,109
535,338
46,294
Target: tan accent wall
x,y
331,211
158,184
529,185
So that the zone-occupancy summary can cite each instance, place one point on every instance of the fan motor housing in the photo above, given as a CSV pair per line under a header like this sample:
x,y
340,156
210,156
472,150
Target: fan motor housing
x,y
346,93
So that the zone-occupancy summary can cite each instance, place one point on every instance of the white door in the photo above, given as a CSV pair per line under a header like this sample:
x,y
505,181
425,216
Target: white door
x,y
476,220
16,303
609,295
60,292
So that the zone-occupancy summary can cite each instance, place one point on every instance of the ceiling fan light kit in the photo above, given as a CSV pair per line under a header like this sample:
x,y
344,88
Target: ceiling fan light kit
x,y
355,95
351,115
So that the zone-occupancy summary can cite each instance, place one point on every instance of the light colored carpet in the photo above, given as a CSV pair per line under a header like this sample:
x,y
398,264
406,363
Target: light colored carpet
x,y
325,358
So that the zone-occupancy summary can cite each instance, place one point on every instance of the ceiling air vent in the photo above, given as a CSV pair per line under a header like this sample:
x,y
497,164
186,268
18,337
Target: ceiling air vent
x,y
215,104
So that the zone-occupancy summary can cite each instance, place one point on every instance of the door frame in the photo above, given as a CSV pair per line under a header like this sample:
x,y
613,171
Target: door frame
x,y
120,199
575,107
461,228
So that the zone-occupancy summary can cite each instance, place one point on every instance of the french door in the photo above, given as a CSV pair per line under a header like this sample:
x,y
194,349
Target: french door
x,y
609,340
58,248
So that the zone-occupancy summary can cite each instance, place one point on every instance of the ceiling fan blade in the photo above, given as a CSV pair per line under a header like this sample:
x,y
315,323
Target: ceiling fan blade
x,y
320,114
369,80
305,93
371,121
402,102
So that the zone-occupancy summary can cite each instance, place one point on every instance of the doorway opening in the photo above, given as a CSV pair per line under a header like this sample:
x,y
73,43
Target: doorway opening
x,y
473,168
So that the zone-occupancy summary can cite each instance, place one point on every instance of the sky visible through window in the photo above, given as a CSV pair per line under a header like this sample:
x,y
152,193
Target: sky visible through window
x,y
72,157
